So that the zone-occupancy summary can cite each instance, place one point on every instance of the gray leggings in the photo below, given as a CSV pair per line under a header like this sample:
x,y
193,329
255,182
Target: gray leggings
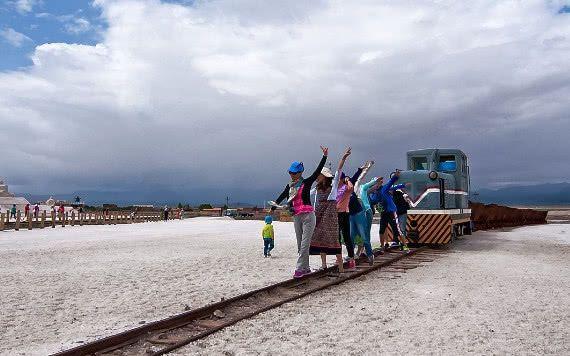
x,y
304,228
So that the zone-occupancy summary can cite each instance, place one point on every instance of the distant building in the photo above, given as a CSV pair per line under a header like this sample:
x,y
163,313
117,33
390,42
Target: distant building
x,y
4,190
8,199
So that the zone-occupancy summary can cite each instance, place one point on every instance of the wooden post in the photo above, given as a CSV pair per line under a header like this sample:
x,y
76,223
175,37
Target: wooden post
x,y
43,221
73,218
7,217
53,219
63,219
30,221
17,226
1,221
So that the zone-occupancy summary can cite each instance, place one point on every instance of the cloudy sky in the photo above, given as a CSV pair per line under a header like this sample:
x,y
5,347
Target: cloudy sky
x,y
219,96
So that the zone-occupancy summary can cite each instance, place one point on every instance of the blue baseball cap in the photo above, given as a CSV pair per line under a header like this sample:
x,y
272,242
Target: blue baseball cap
x,y
296,167
268,219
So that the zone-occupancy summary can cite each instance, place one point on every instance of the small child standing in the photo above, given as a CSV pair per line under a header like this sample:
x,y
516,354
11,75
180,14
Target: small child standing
x,y
268,236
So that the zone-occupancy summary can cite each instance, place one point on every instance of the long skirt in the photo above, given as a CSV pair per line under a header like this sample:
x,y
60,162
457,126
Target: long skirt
x,y
325,238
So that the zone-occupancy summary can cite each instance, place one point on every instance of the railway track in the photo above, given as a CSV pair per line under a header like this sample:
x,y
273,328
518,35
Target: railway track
x,y
163,336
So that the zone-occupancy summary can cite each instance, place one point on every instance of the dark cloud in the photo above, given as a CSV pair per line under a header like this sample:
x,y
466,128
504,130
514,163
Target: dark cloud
x,y
218,97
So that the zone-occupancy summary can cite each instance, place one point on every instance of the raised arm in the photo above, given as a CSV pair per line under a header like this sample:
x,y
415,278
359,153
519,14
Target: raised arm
x,y
397,186
354,178
343,159
386,187
317,171
365,168
368,185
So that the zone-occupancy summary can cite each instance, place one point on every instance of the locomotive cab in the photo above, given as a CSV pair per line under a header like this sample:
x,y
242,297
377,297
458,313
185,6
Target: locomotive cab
x,y
438,189
441,171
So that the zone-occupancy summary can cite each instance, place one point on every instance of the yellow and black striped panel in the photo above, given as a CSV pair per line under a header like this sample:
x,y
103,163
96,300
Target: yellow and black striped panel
x,y
429,228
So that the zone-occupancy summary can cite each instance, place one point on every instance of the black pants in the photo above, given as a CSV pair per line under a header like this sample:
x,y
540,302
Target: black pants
x,y
392,220
344,230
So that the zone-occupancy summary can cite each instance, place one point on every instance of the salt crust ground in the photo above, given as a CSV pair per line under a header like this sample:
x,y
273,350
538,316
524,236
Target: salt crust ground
x,y
502,292
65,285
499,293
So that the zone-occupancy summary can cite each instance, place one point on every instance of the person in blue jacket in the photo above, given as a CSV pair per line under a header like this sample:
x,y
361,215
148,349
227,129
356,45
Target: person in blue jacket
x,y
388,216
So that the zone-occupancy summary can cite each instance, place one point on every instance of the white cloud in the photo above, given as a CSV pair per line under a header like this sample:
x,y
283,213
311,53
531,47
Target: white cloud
x,y
14,37
25,6
77,26
224,91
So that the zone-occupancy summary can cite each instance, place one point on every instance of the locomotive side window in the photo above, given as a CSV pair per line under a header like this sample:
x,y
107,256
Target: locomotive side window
x,y
420,163
447,163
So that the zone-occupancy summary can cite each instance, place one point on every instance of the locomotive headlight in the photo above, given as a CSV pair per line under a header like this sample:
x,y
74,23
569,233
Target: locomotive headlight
x,y
433,175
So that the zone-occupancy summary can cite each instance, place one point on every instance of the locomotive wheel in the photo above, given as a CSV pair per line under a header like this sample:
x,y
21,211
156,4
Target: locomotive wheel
x,y
453,234
468,230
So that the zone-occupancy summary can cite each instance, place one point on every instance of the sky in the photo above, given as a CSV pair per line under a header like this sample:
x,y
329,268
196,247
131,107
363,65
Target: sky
x,y
216,98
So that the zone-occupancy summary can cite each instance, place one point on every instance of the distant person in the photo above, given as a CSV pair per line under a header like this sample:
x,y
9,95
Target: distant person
x,y
165,213
13,211
27,210
80,210
268,236
61,211
36,210
298,195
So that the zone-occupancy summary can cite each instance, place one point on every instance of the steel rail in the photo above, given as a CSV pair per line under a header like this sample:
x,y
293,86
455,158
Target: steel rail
x,y
181,329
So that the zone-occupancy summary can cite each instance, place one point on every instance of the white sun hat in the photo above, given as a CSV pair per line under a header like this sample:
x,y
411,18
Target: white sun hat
x,y
327,172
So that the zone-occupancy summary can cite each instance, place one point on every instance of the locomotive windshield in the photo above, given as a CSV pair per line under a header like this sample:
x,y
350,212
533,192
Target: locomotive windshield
x,y
447,163
419,163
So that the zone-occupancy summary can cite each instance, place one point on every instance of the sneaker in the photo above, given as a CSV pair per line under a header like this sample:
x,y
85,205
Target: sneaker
x,y
299,274
405,248
371,260
268,255
386,246
351,265
395,244
346,259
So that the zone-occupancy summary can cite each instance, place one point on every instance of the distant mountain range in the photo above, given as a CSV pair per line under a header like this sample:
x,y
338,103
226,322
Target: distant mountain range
x,y
541,194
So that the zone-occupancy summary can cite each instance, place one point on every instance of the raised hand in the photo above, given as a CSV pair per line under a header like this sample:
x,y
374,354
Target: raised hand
x,y
397,173
347,153
325,151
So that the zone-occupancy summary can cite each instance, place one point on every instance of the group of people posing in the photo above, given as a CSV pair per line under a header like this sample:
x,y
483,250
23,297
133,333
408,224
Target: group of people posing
x,y
339,209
